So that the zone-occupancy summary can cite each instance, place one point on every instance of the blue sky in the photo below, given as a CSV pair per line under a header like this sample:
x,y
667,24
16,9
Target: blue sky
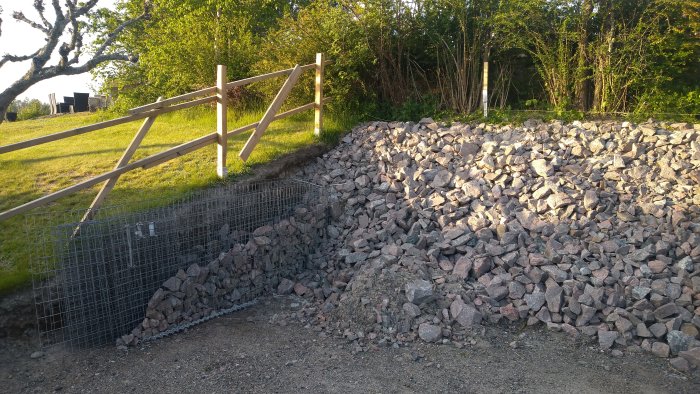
x,y
20,39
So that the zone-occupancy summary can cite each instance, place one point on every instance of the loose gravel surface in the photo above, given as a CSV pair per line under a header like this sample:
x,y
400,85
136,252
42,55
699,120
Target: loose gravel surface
x,y
245,352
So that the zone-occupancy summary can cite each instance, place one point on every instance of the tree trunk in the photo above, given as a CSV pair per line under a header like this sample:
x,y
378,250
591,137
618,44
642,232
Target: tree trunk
x,y
11,93
583,73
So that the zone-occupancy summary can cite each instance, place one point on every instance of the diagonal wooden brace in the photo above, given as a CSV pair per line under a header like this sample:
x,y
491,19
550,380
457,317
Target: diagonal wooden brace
x,y
124,160
270,113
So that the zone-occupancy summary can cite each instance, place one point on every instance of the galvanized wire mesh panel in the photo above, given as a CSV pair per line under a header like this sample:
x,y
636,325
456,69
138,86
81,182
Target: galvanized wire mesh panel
x,y
94,286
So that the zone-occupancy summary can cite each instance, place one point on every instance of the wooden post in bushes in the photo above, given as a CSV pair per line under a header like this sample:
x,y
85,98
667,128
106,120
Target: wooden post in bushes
x,y
221,126
485,91
318,118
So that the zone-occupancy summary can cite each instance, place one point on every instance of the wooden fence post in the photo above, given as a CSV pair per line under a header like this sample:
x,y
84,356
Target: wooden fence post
x,y
485,91
318,112
221,126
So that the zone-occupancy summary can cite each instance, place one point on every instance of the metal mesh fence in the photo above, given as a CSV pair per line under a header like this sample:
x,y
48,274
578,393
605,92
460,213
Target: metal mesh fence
x,y
136,275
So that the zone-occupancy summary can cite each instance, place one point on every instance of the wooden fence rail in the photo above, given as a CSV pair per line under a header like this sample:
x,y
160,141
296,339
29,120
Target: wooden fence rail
x,y
151,111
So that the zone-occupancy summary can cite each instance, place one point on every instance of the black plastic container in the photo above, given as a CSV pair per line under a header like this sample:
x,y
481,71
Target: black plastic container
x,y
63,108
81,102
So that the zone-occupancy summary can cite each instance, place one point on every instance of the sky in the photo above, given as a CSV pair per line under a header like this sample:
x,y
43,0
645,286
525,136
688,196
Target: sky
x,y
20,39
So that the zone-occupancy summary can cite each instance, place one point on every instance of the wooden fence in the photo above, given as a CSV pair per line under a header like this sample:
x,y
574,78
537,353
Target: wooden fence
x,y
150,112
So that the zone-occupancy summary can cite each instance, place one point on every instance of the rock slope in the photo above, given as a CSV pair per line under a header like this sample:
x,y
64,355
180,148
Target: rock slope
x,y
589,228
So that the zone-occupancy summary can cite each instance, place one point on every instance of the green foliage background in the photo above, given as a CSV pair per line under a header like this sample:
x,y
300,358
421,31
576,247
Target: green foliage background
x,y
408,57
29,109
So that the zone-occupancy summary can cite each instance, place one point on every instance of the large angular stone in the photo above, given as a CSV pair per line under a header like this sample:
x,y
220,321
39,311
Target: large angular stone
x,y
590,199
607,338
586,315
678,341
442,179
535,301
554,296
356,257
419,291
462,267
429,332
665,311
464,314
482,265
660,349
692,355
542,168
285,287
173,284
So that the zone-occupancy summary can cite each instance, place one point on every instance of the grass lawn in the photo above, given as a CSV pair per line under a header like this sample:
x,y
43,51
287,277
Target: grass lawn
x,y
31,173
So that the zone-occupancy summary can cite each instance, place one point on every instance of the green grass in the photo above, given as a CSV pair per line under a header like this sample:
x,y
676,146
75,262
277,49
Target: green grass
x,y
31,173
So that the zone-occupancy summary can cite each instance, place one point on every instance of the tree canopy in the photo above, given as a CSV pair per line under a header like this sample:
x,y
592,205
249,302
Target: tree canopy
x,y
63,52
587,55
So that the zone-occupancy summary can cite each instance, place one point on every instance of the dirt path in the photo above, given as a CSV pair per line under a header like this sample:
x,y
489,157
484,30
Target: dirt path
x,y
243,352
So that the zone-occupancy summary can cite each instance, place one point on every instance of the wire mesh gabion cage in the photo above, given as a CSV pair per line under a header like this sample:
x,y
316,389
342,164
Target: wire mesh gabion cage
x,y
96,281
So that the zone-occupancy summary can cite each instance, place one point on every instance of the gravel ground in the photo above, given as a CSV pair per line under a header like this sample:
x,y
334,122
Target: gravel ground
x,y
244,352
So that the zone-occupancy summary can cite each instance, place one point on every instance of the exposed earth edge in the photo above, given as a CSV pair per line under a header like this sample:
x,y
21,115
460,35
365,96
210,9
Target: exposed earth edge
x,y
256,351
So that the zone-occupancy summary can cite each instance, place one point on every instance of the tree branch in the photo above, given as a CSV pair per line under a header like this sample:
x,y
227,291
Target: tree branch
x,y
50,72
39,7
12,58
113,35
19,15
85,8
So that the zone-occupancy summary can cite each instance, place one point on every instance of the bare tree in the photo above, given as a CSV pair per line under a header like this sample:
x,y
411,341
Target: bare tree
x,y
69,18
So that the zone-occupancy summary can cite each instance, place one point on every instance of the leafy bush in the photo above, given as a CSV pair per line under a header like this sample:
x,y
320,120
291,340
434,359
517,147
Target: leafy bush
x,y
665,104
29,109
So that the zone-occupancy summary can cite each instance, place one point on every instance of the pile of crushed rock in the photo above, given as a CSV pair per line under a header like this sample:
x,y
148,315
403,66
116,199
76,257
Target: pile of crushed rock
x,y
592,229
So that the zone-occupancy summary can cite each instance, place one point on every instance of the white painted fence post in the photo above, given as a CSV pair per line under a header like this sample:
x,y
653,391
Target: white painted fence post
x,y
318,101
221,125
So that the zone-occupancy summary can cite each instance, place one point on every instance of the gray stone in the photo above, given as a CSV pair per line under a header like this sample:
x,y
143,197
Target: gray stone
x,y
692,355
590,199
665,311
586,315
686,263
172,284
607,338
542,168
285,287
643,331
333,232
194,270
356,257
680,364
465,315
678,341
516,290
660,349
640,292
497,292
37,354
658,329
535,301
554,296
412,310
462,267
442,179
429,332
482,265
419,291
469,149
